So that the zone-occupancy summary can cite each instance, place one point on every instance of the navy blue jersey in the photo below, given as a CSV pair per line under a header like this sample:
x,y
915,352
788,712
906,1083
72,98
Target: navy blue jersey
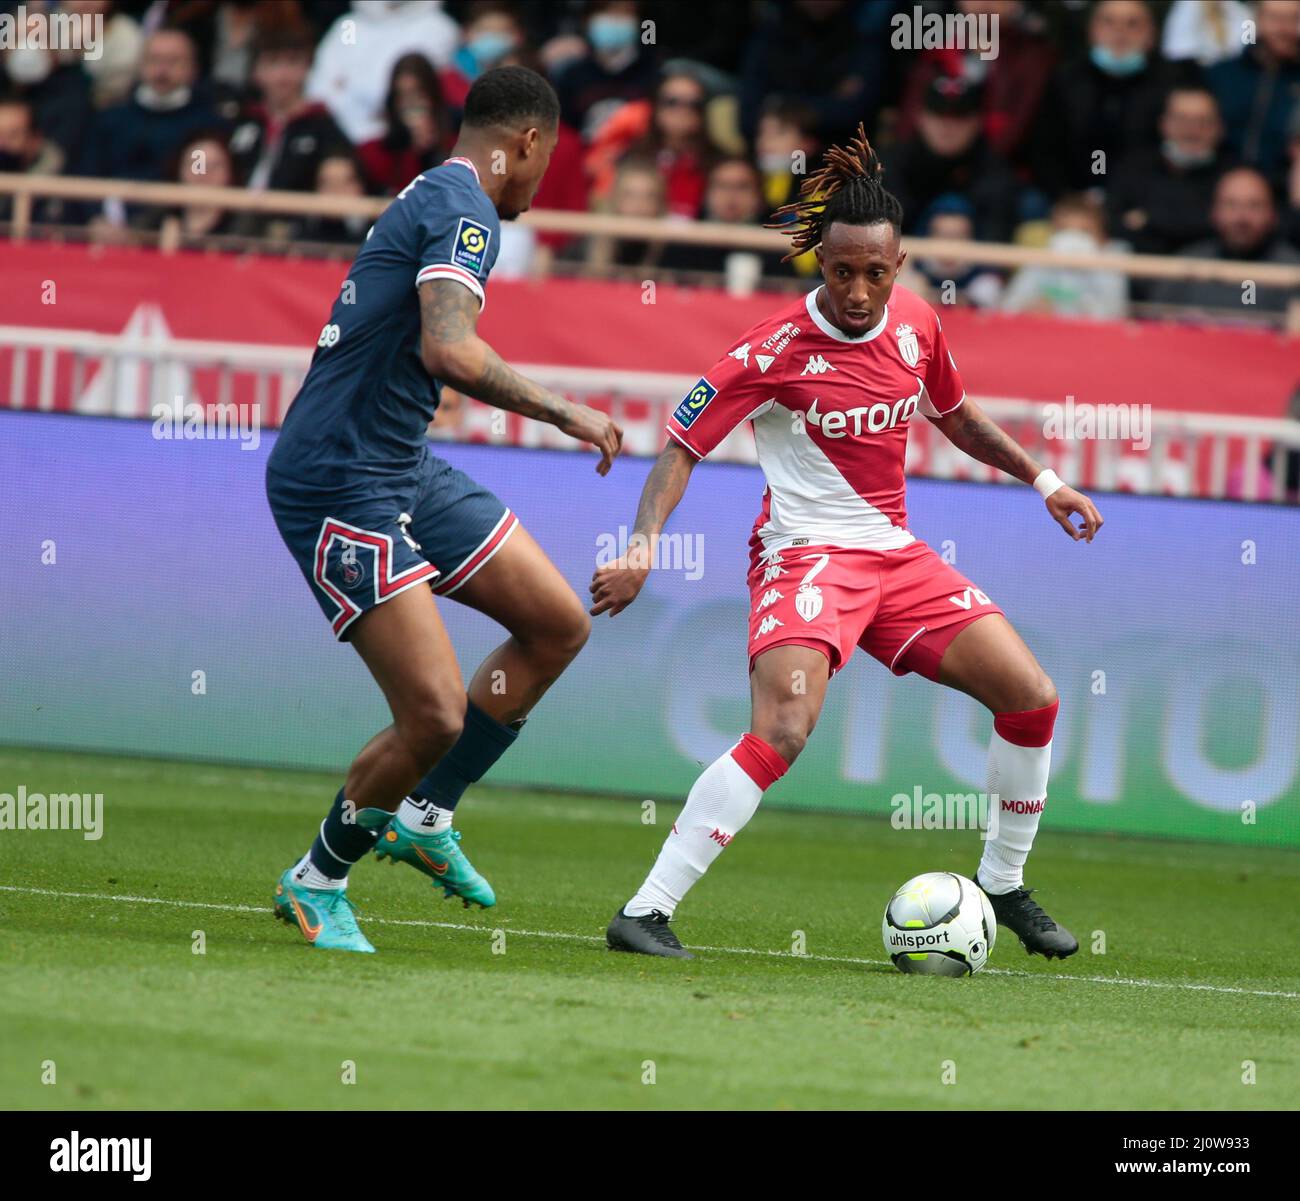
x,y
361,414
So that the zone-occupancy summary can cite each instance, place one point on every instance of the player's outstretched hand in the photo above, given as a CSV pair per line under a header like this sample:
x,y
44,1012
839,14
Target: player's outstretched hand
x,y
1065,502
590,425
615,585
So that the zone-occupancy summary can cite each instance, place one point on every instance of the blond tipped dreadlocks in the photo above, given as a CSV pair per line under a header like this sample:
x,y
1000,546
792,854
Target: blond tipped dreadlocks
x,y
848,188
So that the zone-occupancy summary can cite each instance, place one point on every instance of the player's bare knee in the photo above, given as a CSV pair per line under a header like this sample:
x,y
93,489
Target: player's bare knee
x,y
431,724
1036,692
561,635
785,731
575,629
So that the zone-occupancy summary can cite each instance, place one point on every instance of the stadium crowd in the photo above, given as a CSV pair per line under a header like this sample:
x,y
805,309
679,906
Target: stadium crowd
x,y
1167,127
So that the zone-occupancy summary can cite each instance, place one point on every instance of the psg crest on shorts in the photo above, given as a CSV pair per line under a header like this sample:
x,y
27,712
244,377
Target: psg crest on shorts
x,y
907,344
808,601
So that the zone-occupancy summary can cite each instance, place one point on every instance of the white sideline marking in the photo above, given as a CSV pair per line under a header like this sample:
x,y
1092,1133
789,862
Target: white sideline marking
x,y
397,921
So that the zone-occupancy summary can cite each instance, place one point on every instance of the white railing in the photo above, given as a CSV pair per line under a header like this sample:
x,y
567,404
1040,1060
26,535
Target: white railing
x,y
139,376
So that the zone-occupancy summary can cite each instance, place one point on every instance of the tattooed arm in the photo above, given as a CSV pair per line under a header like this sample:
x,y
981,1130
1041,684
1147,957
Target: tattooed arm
x,y
452,351
615,585
970,429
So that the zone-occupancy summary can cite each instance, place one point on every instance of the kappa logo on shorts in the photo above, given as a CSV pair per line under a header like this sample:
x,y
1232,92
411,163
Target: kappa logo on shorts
x,y
470,247
693,403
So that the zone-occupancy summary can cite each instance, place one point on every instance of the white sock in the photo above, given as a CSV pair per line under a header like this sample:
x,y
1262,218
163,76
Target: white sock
x,y
1018,775
423,817
306,873
721,801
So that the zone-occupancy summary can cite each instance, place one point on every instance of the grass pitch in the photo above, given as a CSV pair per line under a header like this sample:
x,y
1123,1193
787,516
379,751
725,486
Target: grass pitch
x,y
522,1007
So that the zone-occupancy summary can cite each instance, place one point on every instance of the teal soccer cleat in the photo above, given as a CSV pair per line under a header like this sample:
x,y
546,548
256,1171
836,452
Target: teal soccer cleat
x,y
325,916
440,858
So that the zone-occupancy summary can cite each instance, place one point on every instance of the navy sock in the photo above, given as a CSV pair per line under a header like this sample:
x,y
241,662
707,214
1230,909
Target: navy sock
x,y
346,834
482,742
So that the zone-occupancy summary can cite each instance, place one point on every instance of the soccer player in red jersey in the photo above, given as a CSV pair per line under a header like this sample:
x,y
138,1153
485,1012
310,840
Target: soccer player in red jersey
x,y
829,384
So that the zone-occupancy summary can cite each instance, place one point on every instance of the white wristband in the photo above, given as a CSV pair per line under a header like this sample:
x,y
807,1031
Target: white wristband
x,y
1047,482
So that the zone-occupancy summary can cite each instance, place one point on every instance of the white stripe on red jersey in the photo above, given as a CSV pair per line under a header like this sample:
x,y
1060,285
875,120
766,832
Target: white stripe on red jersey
x,y
830,415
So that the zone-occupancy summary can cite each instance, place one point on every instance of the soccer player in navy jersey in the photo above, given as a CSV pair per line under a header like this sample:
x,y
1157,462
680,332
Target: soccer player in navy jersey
x,y
830,383
379,524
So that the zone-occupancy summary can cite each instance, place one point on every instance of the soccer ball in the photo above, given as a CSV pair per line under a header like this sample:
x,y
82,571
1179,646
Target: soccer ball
x,y
939,924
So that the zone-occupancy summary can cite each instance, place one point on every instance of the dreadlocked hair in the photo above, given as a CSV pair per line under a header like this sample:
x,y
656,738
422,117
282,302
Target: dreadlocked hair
x,y
848,188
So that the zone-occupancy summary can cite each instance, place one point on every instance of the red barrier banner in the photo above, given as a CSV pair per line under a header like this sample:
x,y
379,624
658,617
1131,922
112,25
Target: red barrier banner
x,y
1153,407
628,327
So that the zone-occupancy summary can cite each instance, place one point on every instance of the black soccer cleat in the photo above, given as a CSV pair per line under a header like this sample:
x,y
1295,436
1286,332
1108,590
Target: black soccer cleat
x,y
648,935
1025,918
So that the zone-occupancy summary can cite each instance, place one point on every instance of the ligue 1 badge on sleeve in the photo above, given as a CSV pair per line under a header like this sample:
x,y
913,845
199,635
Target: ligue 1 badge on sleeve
x,y
907,344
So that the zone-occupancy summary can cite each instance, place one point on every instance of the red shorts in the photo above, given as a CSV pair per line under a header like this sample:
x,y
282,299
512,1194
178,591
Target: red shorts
x,y
902,607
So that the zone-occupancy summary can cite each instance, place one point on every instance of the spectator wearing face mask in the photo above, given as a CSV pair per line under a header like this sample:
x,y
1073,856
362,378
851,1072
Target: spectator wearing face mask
x,y
419,132
951,154
1078,227
617,69
1107,105
282,137
491,34
1159,200
1258,89
58,92
139,139
1245,221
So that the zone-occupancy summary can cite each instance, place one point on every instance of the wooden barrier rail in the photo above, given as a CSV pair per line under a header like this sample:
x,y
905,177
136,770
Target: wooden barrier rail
x,y
24,189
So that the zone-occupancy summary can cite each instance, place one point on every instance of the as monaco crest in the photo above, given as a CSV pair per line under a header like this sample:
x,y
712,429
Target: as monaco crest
x,y
907,344
808,601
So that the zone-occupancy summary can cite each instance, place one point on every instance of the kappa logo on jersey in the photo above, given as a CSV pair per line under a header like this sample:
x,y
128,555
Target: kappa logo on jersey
x,y
840,423
908,346
470,247
817,365
693,403
741,354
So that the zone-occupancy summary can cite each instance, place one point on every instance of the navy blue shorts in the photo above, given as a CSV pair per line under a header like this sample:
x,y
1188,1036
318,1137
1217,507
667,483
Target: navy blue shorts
x,y
361,547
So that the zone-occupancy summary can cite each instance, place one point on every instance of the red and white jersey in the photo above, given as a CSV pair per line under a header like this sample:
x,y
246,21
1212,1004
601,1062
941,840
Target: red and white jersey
x,y
830,415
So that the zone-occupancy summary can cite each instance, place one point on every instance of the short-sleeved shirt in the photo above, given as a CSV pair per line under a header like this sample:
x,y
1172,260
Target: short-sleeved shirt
x,y
830,415
367,400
